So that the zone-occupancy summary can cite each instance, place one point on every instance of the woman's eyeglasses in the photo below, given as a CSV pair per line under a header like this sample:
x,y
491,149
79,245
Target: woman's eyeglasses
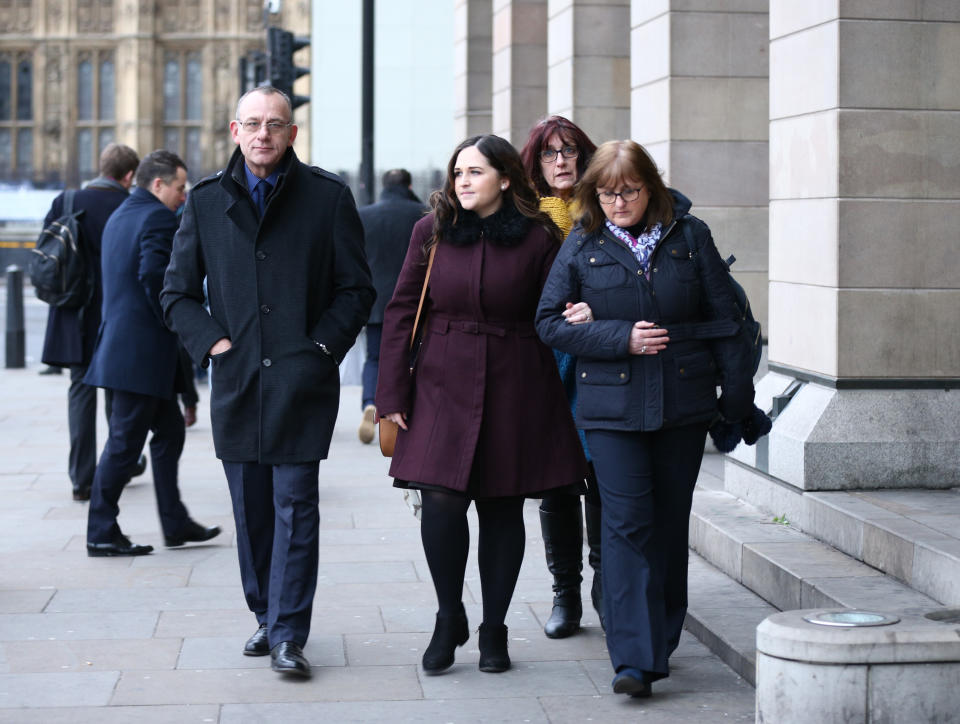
x,y
610,197
549,155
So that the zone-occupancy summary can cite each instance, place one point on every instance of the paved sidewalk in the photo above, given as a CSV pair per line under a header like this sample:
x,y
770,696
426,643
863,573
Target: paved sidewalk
x,y
158,638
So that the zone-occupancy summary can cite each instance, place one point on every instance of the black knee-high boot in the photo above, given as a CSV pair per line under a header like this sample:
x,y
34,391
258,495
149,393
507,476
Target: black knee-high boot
x,y
591,514
563,545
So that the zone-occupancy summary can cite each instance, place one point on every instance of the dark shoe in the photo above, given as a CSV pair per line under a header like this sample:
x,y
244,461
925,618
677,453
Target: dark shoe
x,y
563,545
81,494
192,532
140,467
51,371
448,633
591,514
367,424
120,546
258,644
493,649
631,682
287,658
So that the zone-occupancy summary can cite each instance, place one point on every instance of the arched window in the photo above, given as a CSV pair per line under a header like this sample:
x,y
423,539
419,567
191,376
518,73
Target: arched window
x,y
16,115
183,107
96,109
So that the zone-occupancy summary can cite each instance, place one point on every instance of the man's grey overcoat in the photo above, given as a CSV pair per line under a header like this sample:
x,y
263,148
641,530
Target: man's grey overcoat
x,y
278,287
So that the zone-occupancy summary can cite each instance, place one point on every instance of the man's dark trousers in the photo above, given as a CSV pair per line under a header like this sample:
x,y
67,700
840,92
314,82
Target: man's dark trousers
x,y
132,417
82,422
275,509
371,366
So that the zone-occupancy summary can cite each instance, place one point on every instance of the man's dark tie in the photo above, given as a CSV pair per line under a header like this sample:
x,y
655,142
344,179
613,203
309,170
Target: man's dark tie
x,y
260,193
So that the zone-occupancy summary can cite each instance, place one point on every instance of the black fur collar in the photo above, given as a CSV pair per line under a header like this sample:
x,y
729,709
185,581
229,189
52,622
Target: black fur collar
x,y
506,227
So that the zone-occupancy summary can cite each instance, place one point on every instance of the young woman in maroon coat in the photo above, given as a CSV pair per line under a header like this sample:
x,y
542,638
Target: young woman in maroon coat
x,y
484,417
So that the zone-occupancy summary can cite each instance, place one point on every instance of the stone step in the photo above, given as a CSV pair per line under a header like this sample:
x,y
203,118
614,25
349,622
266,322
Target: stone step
x,y
745,566
911,535
724,615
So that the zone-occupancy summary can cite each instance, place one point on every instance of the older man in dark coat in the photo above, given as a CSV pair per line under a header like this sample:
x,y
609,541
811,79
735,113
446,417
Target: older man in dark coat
x,y
72,331
281,246
387,225
137,358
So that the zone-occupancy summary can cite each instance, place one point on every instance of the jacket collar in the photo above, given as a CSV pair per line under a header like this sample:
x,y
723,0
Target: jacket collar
x,y
398,193
105,182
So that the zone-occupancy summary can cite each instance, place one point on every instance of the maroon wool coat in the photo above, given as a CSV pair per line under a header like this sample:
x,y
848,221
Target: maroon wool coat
x,y
484,383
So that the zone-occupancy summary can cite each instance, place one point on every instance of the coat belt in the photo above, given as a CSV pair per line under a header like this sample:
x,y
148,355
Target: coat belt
x,y
472,326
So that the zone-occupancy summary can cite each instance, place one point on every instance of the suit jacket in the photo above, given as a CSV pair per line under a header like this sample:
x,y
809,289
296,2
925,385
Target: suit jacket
x,y
279,286
387,225
135,351
71,333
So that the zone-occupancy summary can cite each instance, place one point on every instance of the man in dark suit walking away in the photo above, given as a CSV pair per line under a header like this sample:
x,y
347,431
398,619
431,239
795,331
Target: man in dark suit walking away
x,y
281,246
72,331
387,226
137,358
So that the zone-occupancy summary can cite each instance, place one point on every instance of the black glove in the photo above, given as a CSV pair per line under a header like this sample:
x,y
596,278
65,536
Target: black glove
x,y
727,435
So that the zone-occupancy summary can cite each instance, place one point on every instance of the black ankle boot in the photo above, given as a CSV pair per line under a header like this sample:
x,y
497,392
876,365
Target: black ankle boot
x,y
592,517
448,633
563,545
493,649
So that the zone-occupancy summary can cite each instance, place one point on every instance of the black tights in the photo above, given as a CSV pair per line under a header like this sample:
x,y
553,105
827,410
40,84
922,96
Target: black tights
x,y
446,541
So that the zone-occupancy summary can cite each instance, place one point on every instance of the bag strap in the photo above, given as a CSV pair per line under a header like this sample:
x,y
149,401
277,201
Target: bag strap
x,y
423,296
68,201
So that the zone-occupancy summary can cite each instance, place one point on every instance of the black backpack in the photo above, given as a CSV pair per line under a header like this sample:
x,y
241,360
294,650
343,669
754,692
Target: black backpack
x,y
749,327
59,270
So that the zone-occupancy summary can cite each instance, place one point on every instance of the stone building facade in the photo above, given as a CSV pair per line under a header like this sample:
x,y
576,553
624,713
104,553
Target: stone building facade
x,y
78,74
819,141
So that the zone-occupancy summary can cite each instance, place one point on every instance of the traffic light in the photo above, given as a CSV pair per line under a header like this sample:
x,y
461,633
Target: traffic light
x,y
253,70
281,71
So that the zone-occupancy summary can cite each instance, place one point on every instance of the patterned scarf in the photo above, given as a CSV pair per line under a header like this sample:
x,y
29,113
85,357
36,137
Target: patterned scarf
x,y
641,246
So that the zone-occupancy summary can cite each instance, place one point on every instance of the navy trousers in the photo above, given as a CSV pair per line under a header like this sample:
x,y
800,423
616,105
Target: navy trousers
x,y
132,417
646,482
371,366
278,534
82,422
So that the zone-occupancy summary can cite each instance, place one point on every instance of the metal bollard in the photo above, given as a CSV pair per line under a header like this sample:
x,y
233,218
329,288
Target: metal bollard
x,y
16,334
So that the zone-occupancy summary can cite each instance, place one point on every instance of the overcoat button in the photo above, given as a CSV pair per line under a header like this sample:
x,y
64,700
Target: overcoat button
x,y
265,309
601,242
593,259
261,255
639,272
623,375
583,375
267,362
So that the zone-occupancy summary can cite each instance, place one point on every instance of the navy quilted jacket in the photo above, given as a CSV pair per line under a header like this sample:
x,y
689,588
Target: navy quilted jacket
x,y
620,391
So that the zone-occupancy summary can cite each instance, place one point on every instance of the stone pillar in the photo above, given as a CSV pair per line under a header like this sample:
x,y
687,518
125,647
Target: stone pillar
x,y
864,269
519,67
588,58
699,76
473,67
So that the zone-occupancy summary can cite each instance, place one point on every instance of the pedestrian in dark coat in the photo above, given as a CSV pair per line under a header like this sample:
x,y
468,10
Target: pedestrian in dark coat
x,y
136,357
485,417
281,247
72,332
387,226
646,387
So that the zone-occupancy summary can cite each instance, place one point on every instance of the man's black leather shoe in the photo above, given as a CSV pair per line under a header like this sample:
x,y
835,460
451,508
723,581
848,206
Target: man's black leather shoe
x,y
287,658
118,547
192,532
258,644
81,494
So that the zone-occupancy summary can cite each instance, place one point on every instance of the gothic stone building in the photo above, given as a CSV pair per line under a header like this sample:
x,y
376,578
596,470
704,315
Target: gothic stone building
x,y
78,74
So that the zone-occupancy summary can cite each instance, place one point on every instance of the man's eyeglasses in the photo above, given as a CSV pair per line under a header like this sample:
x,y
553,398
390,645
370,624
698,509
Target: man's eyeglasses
x,y
549,155
610,197
273,127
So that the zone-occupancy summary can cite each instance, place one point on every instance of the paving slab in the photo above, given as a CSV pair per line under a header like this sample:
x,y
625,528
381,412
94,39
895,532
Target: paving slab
x,y
158,638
